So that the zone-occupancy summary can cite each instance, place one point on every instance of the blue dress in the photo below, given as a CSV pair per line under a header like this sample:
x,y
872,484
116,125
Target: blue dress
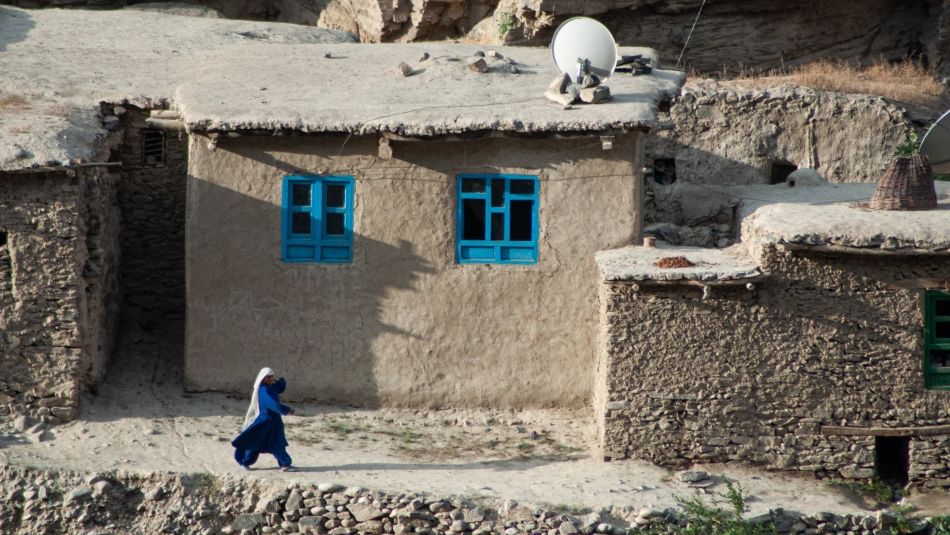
x,y
266,433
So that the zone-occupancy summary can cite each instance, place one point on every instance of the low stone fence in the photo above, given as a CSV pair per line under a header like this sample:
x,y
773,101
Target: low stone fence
x,y
51,502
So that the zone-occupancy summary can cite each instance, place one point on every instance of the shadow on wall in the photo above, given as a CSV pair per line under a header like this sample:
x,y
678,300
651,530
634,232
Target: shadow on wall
x,y
311,321
14,26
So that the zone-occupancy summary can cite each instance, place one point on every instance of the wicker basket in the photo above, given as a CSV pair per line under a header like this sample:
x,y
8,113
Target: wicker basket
x,y
908,184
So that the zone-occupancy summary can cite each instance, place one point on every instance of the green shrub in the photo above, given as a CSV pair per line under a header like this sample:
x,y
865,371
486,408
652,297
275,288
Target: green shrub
x,y
505,23
908,147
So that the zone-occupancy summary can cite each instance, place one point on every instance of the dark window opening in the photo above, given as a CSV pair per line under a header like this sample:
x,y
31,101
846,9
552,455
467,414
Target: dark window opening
x,y
892,459
497,226
664,171
497,192
3,239
522,187
473,219
780,171
334,224
300,223
664,106
942,330
939,358
942,307
473,185
300,195
336,197
520,223
153,147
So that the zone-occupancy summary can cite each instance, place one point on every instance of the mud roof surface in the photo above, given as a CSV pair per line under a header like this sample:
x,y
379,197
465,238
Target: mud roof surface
x,y
224,75
635,263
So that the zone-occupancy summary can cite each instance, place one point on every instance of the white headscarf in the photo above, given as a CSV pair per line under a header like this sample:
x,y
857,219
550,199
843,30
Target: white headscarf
x,y
254,409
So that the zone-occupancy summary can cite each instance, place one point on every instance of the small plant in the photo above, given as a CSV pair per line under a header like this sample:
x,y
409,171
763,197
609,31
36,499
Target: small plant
x,y
208,484
572,510
941,524
505,23
875,489
526,447
409,437
908,147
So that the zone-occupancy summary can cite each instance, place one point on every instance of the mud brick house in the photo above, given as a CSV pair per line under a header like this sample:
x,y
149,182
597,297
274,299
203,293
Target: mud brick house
x,y
819,344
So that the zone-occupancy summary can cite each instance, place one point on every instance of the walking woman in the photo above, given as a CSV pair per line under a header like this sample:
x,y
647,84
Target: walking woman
x,y
263,429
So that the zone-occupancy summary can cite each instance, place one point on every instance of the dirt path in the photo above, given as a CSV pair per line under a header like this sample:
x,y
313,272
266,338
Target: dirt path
x,y
140,420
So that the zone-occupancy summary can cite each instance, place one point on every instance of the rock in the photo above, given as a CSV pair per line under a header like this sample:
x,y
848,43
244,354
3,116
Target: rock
x,y
404,69
424,56
79,493
595,95
99,487
589,80
248,521
567,528
692,477
440,507
560,83
477,65
805,177
604,528
155,494
313,523
20,423
373,527
479,54
495,54
294,501
563,99
457,526
363,512
329,487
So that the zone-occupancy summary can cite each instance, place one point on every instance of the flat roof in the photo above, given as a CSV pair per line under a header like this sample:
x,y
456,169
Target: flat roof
x,y
639,264
226,75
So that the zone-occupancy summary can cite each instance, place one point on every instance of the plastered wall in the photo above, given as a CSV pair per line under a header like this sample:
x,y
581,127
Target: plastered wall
x,y
754,376
403,324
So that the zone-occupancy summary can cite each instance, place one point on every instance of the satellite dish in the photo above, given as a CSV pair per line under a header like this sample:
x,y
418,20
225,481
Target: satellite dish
x,y
582,43
936,145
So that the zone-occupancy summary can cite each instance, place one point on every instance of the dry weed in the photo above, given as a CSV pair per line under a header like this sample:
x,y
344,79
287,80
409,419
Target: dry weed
x,y
13,102
906,81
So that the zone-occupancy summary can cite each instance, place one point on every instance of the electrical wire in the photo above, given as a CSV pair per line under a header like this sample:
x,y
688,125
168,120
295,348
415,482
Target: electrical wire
x,y
678,60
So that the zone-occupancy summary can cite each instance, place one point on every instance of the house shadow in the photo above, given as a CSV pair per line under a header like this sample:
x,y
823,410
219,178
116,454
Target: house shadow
x,y
15,25
316,324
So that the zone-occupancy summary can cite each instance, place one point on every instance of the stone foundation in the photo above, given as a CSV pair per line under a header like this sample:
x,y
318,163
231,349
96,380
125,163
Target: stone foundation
x,y
762,376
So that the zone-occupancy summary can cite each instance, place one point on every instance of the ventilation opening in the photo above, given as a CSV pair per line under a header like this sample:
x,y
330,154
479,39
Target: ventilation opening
x,y
892,459
665,106
3,238
664,171
780,172
153,147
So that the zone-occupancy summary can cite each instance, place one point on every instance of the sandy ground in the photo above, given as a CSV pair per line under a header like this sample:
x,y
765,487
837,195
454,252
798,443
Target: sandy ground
x,y
141,420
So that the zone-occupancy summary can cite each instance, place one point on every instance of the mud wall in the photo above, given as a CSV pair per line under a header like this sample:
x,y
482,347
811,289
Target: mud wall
x,y
58,288
754,376
403,324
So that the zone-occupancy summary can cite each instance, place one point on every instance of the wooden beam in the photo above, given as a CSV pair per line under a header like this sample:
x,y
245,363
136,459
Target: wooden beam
x,y
927,430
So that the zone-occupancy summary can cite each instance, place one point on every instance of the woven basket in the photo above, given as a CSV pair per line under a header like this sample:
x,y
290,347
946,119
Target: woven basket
x,y
908,184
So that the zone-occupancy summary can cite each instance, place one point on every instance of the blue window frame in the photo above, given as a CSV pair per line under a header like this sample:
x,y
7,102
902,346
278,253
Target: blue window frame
x,y
497,219
317,219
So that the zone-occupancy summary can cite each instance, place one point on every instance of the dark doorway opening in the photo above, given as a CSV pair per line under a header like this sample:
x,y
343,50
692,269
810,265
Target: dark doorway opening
x,y
664,171
780,171
892,459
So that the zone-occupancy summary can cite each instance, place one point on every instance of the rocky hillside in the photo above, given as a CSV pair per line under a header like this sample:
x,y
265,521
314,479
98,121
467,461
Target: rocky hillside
x,y
730,33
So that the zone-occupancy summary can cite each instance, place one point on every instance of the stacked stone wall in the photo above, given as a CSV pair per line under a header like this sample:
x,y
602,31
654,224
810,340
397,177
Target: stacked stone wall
x,y
57,289
755,376
152,201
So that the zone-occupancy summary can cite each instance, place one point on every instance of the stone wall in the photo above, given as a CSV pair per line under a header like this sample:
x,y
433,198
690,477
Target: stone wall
x,y
151,197
753,376
49,502
58,290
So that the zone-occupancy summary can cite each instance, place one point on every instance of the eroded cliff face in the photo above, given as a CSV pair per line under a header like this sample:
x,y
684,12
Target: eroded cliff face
x,y
758,34
730,34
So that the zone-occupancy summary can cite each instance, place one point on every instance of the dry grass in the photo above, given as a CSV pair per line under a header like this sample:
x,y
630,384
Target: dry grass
x,y
907,81
13,102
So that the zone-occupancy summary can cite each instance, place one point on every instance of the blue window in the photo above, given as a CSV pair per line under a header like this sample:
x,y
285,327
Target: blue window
x,y
497,219
317,219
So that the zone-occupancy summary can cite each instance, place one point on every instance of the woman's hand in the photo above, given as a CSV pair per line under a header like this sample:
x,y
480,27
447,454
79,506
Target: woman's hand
x,y
292,412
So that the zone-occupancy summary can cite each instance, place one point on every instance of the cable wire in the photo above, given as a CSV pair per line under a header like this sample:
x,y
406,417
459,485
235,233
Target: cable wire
x,y
678,60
